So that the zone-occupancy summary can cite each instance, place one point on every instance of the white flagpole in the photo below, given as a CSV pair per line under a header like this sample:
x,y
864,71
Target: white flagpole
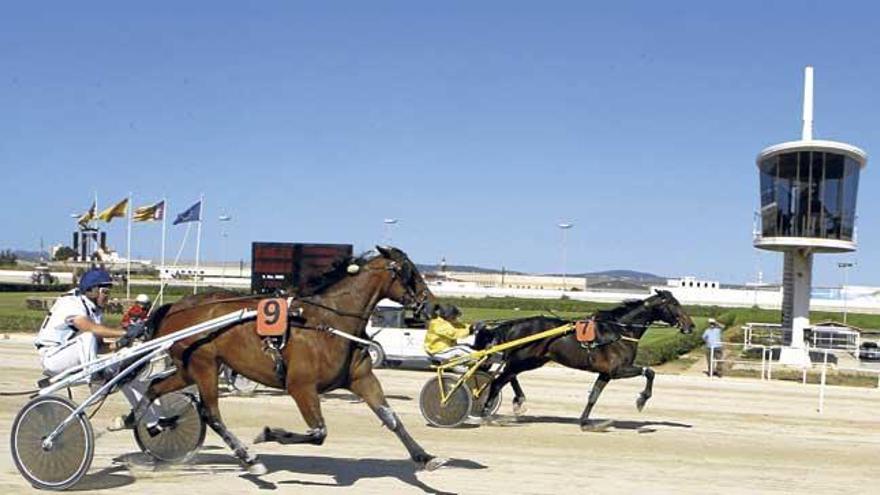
x,y
199,242
94,223
176,259
128,262
162,272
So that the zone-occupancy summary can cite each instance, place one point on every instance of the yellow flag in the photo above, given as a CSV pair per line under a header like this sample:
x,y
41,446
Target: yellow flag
x,y
88,216
120,209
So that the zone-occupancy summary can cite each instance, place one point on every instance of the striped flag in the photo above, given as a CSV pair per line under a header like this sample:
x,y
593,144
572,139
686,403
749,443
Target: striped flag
x,y
149,213
88,216
119,210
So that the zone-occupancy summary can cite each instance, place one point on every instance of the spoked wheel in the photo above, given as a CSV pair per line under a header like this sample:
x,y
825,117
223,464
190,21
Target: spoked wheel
x,y
448,415
482,381
179,433
64,462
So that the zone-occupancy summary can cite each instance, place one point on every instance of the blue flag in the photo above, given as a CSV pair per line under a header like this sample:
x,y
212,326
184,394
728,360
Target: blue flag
x,y
192,214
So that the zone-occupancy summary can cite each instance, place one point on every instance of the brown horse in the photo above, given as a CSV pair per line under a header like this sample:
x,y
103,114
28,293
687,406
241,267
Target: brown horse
x,y
316,361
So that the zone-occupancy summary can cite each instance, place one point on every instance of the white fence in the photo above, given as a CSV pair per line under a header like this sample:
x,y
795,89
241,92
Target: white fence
x,y
768,364
818,337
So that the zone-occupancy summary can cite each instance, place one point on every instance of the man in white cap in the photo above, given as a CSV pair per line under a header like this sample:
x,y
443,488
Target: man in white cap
x,y
714,349
138,311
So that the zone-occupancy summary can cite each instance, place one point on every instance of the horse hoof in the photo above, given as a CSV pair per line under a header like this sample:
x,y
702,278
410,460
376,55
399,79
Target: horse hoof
x,y
263,436
435,463
257,469
596,427
640,404
519,409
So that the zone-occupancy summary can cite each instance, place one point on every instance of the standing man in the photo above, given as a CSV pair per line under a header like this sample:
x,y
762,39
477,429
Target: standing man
x,y
714,349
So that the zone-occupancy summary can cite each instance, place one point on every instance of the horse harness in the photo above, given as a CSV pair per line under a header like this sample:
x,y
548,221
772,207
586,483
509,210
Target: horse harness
x,y
275,343
590,334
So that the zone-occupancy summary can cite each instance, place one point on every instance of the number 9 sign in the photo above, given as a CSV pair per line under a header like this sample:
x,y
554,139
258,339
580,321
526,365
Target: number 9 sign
x,y
272,317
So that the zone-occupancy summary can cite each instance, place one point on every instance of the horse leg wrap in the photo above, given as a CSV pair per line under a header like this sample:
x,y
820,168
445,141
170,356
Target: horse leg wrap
x,y
389,419
317,435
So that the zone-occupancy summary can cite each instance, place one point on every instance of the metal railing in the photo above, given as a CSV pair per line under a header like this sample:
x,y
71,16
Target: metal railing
x,y
767,365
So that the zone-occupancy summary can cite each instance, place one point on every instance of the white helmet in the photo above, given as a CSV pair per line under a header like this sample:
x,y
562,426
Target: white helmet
x,y
143,299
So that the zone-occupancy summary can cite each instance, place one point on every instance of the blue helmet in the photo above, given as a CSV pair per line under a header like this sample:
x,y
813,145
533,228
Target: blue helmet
x,y
95,277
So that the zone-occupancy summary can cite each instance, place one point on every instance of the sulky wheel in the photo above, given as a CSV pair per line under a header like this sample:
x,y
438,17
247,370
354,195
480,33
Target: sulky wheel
x,y
448,415
60,465
179,433
482,381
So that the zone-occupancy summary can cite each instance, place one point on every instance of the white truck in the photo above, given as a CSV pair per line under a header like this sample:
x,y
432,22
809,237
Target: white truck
x,y
398,336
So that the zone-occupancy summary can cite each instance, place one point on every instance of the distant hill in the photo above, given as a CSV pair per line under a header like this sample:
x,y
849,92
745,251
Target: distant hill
x,y
462,268
29,255
632,276
625,275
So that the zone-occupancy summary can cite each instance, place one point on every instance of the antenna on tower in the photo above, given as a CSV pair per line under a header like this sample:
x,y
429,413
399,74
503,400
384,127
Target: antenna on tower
x,y
807,132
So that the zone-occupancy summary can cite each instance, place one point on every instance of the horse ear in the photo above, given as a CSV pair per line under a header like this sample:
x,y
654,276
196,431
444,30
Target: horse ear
x,y
383,251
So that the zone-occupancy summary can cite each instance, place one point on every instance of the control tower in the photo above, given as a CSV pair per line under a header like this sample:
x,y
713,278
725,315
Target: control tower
x,y
808,205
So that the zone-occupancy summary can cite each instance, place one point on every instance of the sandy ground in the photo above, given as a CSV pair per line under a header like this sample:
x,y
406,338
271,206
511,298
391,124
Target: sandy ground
x,y
695,436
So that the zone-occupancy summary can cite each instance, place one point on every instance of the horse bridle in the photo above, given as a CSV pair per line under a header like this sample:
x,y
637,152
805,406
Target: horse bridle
x,y
405,273
646,304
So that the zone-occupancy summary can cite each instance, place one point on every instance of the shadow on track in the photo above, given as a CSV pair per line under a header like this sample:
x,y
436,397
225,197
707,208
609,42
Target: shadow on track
x,y
104,479
348,471
344,471
639,426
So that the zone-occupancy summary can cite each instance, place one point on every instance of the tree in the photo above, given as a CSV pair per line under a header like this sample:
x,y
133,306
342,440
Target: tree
x,y
64,253
7,257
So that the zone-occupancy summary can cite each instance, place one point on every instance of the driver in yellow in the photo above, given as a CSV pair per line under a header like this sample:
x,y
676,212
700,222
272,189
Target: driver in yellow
x,y
444,330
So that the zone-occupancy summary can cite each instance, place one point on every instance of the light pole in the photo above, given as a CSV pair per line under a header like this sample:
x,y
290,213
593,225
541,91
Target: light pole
x,y
389,223
564,226
223,235
845,266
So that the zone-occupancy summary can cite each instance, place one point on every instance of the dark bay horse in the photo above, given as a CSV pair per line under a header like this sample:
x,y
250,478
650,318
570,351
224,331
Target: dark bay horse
x,y
316,361
625,324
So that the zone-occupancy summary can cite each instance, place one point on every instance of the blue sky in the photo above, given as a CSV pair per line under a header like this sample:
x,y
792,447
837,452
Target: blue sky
x,y
479,126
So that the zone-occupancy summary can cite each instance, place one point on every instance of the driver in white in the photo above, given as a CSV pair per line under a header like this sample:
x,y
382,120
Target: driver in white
x,y
73,332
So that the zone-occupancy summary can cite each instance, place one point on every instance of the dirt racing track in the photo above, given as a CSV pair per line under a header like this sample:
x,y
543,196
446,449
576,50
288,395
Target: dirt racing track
x,y
694,436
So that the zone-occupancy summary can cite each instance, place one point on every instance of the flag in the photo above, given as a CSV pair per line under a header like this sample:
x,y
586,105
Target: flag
x,y
149,213
192,214
120,209
88,216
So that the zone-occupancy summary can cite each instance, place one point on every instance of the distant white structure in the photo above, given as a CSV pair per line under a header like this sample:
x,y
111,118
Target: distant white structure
x,y
693,282
510,281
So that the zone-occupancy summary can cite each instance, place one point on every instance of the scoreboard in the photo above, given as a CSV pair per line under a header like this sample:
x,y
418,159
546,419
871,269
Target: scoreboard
x,y
289,265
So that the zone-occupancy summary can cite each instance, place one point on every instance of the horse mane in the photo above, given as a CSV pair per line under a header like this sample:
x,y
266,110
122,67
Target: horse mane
x,y
617,311
338,271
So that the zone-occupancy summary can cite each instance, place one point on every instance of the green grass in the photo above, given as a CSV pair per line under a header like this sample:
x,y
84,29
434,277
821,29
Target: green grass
x,y
16,317
659,345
